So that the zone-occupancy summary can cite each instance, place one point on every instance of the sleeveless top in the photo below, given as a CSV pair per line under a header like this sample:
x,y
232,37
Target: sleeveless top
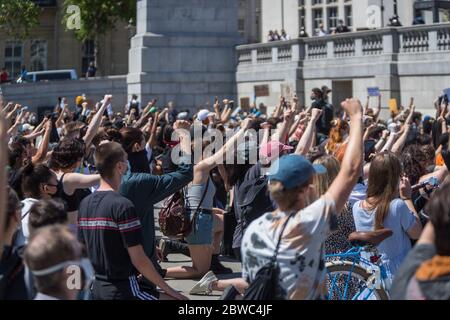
x,y
194,195
73,201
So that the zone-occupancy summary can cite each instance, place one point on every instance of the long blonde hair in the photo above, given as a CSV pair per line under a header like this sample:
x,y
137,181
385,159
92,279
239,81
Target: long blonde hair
x,y
323,181
384,177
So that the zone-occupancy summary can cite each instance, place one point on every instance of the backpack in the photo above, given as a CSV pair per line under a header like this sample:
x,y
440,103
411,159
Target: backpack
x,y
264,286
173,220
255,200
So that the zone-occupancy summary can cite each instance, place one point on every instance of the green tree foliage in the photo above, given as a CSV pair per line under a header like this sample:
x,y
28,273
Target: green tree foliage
x,y
18,18
98,17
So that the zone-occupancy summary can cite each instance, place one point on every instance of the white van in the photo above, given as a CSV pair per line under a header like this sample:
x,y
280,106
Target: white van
x,y
51,75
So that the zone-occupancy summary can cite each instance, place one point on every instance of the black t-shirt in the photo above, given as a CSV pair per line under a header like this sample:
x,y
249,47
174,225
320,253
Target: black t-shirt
x,y
15,181
108,225
323,125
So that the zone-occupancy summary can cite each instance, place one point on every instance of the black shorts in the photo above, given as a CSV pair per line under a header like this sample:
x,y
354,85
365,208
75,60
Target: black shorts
x,y
122,290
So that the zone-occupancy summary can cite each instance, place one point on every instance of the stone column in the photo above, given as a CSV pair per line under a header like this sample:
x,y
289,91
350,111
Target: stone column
x,y
184,51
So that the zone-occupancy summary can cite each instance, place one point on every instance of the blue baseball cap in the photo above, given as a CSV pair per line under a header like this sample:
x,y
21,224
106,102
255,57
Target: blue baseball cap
x,y
294,170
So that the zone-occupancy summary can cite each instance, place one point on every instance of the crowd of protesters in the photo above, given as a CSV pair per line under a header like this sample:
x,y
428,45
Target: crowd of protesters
x,y
81,185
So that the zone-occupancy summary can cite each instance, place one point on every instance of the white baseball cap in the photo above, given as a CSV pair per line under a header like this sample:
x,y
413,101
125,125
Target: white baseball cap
x,y
27,127
203,114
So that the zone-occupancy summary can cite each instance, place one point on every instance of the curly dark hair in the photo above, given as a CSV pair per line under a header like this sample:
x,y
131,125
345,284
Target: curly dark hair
x,y
413,158
67,153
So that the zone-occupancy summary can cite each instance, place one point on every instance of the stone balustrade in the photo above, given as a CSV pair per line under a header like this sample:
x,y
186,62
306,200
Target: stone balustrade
x,y
388,58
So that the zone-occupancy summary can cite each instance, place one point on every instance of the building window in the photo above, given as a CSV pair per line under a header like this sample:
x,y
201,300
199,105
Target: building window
x,y
88,55
348,16
332,13
316,2
317,18
241,25
38,59
13,58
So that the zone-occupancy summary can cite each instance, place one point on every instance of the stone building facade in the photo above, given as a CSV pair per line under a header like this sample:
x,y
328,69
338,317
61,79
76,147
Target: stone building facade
x,y
51,47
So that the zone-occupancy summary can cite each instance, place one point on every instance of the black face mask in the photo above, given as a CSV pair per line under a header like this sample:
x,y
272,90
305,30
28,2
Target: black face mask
x,y
139,162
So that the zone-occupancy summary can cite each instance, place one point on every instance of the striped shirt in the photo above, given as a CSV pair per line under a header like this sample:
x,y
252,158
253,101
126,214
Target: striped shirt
x,y
107,226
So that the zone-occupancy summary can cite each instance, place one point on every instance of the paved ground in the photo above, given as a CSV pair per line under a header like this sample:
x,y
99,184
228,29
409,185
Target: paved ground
x,y
186,285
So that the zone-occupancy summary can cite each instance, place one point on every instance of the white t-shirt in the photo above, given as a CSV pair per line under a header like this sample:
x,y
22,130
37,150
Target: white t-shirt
x,y
24,232
301,253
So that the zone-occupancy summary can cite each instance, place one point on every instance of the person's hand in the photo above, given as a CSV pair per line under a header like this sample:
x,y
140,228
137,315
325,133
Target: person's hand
x,y
352,107
266,126
371,127
177,295
84,105
288,116
133,112
227,101
282,100
315,114
246,124
385,134
108,98
216,103
152,103
405,188
182,124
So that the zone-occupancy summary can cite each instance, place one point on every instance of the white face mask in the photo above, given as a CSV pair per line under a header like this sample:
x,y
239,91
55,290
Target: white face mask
x,y
86,266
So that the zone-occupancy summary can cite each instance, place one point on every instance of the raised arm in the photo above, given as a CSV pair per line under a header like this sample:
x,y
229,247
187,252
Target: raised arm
x,y
201,170
282,133
398,146
377,111
94,125
7,108
217,108
228,110
152,131
3,181
59,122
10,114
149,106
382,141
15,128
74,181
351,166
279,109
302,118
266,132
43,148
366,107
308,137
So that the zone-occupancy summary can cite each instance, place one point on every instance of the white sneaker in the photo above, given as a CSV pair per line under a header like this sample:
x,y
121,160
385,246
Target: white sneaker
x,y
203,287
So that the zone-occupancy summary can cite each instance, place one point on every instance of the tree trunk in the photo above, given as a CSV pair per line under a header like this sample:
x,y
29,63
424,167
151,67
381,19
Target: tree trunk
x,y
96,55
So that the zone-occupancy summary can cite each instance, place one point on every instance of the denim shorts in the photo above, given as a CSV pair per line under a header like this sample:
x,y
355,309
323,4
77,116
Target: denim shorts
x,y
202,228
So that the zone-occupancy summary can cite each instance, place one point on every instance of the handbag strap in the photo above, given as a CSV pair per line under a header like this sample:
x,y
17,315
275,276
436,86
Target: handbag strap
x,y
203,196
274,258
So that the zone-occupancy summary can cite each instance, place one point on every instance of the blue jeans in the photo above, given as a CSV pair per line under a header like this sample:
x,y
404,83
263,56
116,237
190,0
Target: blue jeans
x,y
202,228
